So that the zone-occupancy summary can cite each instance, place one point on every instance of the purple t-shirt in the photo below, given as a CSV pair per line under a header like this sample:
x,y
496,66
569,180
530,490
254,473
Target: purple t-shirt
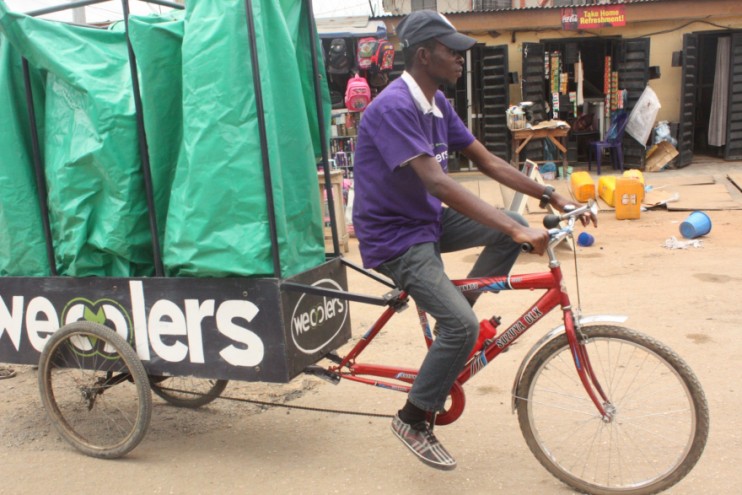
x,y
392,210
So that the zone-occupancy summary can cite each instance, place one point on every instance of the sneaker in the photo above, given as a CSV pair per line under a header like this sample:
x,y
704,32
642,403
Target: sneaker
x,y
419,438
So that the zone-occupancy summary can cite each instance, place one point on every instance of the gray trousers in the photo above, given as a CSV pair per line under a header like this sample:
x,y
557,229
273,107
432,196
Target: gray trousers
x,y
420,272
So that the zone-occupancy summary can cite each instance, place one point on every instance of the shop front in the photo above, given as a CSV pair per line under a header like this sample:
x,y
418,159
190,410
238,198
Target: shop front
x,y
577,66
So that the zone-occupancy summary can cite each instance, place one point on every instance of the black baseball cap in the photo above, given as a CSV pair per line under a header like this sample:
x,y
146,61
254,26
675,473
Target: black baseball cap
x,y
423,25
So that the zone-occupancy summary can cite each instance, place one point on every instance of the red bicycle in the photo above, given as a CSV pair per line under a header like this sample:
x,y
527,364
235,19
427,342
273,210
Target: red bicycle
x,y
605,409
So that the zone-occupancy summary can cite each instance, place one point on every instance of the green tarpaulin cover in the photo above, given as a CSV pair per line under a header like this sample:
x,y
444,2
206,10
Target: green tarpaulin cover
x,y
22,247
200,115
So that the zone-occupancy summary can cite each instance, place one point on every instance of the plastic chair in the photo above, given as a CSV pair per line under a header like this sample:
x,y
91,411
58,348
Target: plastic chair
x,y
613,142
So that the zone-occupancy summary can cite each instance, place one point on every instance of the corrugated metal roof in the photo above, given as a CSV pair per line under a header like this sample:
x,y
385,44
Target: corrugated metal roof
x,y
518,9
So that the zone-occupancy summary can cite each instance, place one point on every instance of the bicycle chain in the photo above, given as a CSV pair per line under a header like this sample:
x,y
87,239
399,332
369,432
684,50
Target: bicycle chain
x,y
286,406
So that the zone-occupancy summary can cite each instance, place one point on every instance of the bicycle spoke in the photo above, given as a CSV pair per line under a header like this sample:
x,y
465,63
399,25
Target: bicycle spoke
x,y
95,389
581,399
649,432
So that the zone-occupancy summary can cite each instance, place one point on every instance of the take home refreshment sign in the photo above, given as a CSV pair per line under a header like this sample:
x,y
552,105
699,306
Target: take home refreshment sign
x,y
575,18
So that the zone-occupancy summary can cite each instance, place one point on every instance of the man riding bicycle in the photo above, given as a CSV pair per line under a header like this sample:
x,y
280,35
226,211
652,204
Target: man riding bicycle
x,y
404,140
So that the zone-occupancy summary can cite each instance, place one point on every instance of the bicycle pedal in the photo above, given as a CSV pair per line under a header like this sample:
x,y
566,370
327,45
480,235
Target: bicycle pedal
x,y
322,373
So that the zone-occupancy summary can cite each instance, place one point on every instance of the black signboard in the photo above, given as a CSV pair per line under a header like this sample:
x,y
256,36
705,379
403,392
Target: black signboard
x,y
226,328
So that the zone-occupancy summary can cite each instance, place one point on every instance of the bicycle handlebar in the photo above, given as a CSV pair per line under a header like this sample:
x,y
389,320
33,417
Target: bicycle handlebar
x,y
558,232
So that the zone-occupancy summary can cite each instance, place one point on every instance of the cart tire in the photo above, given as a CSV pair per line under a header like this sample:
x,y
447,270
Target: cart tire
x,y
95,389
187,391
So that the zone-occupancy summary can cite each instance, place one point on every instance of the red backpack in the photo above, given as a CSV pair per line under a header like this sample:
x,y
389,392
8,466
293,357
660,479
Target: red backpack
x,y
383,59
357,94
366,52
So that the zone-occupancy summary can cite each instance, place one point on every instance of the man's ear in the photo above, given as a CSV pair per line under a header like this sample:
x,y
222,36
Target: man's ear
x,y
423,56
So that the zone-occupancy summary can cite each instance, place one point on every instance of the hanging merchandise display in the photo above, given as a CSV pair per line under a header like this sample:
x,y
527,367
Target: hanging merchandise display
x,y
556,69
579,80
365,51
607,86
555,81
357,94
614,91
643,116
338,57
573,103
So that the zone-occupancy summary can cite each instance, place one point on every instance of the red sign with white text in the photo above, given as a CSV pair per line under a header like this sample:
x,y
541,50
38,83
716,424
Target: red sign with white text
x,y
593,17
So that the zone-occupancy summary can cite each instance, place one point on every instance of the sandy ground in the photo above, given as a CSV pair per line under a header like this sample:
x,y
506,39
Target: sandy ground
x,y
688,299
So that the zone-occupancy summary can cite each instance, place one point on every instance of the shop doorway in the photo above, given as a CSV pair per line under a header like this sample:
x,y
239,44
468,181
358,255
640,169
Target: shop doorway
x,y
711,111
481,99
615,72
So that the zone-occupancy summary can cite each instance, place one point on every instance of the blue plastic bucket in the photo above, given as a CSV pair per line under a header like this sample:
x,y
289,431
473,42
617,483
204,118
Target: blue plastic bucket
x,y
585,239
696,225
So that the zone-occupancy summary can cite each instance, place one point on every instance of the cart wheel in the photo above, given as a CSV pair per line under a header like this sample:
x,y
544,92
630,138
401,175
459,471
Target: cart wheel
x,y
95,390
187,391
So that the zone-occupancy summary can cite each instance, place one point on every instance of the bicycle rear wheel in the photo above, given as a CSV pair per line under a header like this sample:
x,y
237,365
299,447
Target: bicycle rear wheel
x,y
95,389
660,415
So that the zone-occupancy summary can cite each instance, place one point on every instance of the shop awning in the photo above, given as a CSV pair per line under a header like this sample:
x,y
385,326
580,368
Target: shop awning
x,y
349,27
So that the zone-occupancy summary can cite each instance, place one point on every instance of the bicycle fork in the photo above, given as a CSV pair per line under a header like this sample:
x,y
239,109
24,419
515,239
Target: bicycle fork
x,y
585,370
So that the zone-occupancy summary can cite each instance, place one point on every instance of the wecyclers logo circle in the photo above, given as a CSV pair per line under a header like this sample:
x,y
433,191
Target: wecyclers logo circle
x,y
104,312
316,320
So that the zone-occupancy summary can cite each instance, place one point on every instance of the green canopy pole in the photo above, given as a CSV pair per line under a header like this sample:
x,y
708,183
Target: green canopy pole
x,y
143,150
322,133
267,181
60,8
39,169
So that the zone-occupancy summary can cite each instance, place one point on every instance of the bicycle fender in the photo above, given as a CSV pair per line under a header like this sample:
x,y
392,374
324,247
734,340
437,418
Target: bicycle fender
x,y
554,333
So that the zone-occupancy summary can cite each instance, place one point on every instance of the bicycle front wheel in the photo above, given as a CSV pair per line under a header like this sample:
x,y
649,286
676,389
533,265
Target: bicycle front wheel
x,y
95,389
659,422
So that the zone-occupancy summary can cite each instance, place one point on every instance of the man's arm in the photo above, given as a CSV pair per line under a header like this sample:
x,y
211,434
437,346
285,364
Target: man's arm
x,y
443,187
509,176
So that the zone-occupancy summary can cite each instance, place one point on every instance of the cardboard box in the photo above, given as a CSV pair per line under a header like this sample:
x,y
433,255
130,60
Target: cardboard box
x,y
659,155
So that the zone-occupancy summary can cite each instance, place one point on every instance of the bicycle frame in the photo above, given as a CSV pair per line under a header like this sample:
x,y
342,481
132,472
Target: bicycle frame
x,y
555,296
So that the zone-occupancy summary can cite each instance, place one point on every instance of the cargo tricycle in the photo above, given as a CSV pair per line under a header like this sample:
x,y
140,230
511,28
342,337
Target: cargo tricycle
x,y
605,409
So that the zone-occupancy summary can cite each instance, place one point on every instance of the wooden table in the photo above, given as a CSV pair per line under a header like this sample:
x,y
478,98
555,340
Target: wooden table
x,y
336,181
557,135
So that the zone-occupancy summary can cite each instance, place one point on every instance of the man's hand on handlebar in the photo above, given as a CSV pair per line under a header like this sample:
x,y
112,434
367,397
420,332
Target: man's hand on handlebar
x,y
563,204
536,239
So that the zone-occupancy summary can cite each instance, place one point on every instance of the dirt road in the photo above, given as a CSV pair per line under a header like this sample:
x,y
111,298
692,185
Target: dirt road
x,y
688,299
